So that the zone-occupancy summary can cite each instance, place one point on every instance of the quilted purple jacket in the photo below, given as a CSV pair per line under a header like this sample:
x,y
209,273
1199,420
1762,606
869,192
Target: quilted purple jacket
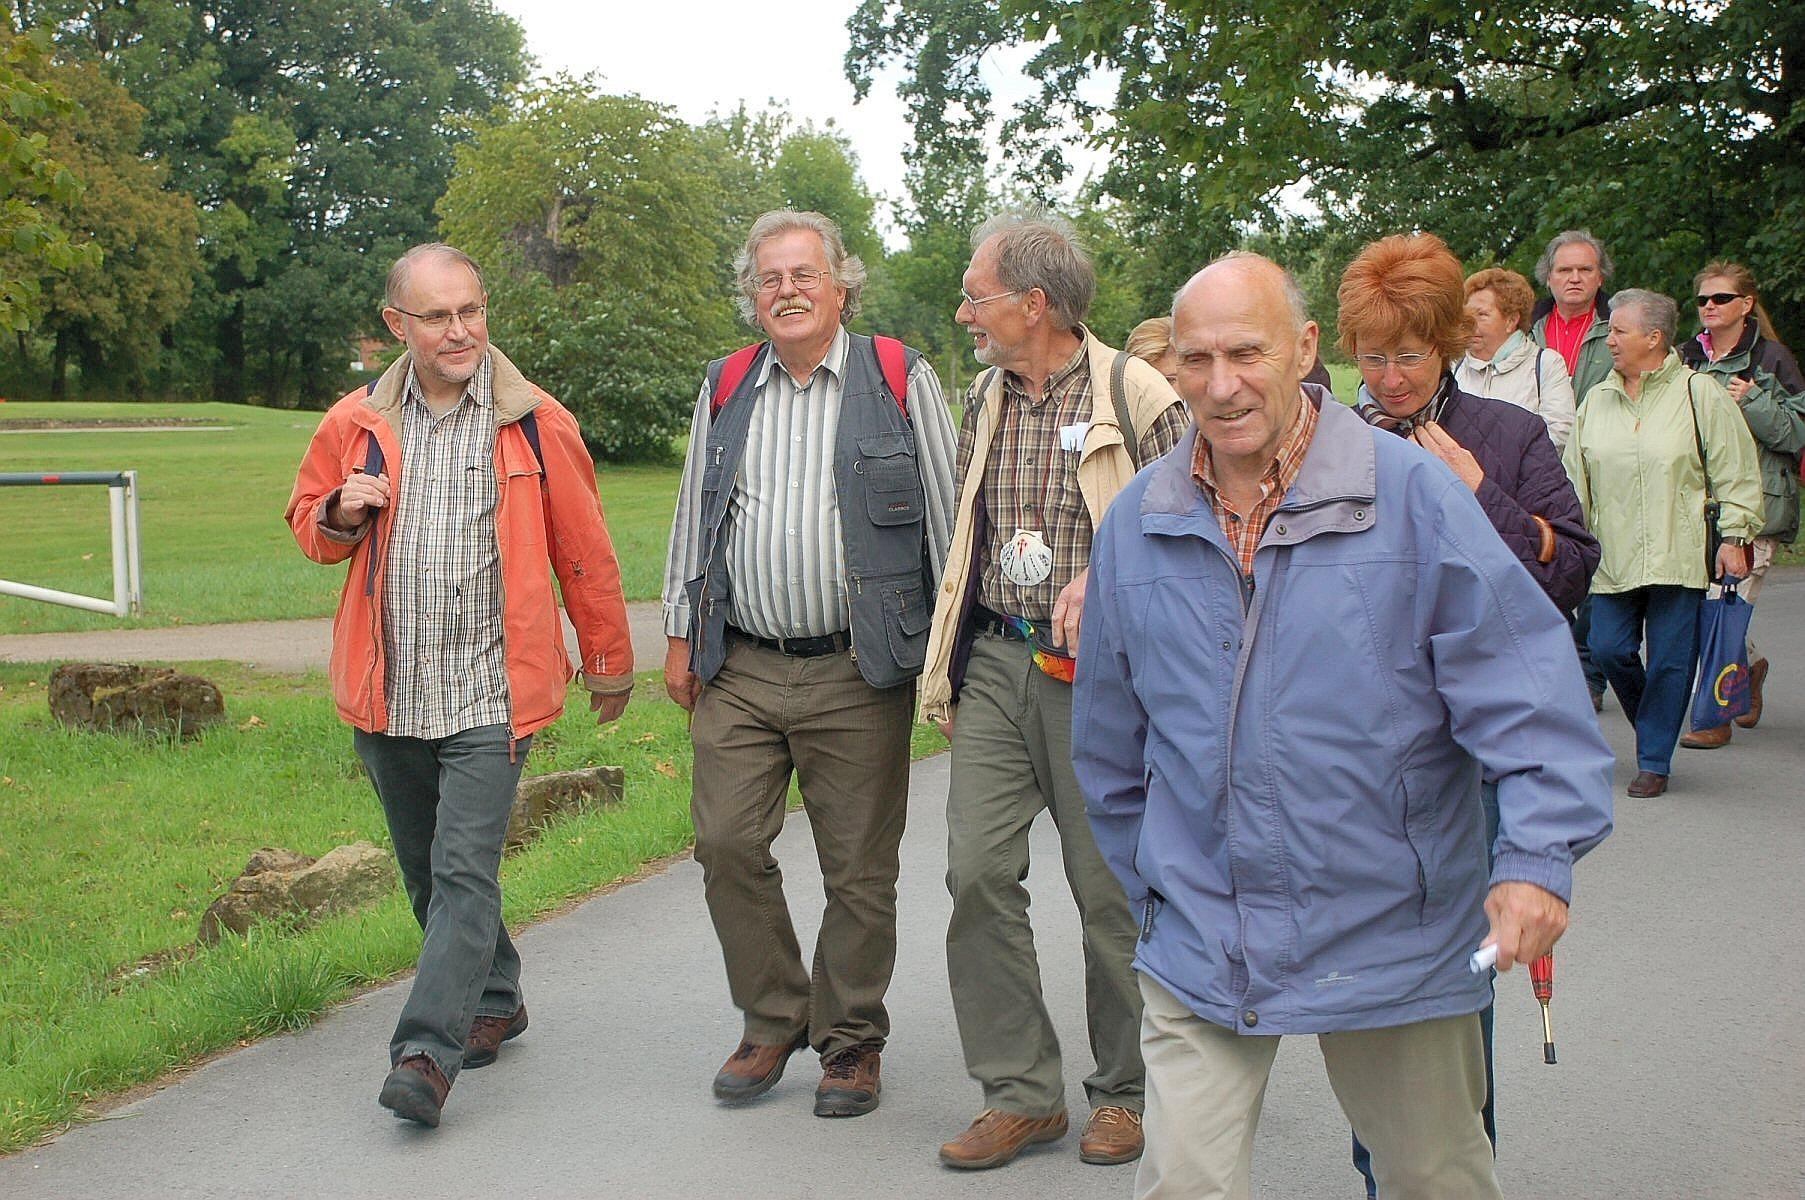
x,y
1524,479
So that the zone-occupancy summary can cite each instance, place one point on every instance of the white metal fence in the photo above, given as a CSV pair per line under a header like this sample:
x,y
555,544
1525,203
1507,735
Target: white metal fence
x,y
122,504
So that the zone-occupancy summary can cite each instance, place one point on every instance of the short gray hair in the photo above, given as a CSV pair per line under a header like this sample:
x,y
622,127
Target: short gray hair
x,y
402,273
1573,237
1655,311
1040,250
847,269
1294,292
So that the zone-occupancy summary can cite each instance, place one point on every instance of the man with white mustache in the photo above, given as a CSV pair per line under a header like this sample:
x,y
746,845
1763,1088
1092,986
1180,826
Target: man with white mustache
x,y
1050,436
808,541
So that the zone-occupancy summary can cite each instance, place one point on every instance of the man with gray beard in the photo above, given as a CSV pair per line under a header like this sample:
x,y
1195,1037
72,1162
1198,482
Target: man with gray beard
x,y
807,544
1051,434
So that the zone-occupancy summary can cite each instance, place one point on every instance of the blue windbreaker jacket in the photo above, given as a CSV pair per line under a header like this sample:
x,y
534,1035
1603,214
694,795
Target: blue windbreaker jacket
x,y
1285,777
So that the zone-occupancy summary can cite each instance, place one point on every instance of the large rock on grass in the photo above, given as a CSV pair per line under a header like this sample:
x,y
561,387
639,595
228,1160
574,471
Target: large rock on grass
x,y
543,798
121,697
282,885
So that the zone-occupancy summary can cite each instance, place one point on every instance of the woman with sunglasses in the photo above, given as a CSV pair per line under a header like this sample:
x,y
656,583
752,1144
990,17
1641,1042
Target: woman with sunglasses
x,y
1737,347
1404,319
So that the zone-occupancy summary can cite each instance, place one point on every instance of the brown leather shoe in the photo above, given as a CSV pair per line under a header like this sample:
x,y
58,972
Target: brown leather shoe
x,y
415,1090
1757,677
1646,784
996,1137
752,1070
487,1034
1112,1135
849,1082
1706,739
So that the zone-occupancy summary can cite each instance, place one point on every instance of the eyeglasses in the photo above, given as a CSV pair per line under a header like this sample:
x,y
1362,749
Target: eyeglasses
x,y
1718,298
1405,362
806,279
472,317
979,301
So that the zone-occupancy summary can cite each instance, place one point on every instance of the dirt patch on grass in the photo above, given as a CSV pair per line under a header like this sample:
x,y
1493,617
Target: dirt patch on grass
x,y
105,424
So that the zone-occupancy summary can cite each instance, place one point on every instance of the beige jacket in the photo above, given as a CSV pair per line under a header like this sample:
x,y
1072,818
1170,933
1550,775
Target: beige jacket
x,y
1104,469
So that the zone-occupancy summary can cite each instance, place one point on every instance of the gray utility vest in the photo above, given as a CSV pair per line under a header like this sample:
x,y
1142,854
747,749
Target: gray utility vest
x,y
883,521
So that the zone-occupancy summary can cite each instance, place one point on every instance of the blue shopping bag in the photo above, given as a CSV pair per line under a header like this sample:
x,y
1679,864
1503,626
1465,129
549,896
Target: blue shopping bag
x,y
1723,660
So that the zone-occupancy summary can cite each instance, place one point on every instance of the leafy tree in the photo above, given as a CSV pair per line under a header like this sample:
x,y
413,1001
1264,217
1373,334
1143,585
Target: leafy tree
x,y
110,319
30,174
316,135
597,218
1675,130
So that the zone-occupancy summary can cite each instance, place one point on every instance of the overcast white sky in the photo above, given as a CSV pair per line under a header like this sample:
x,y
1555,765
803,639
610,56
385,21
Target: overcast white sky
x,y
703,55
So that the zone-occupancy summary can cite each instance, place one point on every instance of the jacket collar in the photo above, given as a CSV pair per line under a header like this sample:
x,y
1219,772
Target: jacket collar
x,y
513,396
1341,465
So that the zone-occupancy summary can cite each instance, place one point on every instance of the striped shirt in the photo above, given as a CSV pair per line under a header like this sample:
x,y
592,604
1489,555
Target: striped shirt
x,y
441,599
1031,483
1244,530
782,531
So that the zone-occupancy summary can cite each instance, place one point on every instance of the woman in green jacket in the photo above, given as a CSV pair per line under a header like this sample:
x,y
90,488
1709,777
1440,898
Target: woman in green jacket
x,y
1643,445
1737,347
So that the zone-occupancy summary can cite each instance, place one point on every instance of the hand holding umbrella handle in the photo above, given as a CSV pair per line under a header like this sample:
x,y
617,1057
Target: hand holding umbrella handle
x,y
1541,978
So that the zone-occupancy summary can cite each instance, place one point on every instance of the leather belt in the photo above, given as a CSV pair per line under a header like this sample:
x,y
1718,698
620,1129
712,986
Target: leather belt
x,y
991,622
802,647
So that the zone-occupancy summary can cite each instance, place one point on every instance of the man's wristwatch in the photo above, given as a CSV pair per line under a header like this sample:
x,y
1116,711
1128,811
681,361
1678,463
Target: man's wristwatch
x,y
1736,541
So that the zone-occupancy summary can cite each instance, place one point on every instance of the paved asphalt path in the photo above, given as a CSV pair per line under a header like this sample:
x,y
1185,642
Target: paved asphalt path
x,y
1682,1058
272,645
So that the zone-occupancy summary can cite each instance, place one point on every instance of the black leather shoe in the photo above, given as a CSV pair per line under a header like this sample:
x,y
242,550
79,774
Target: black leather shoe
x,y
1646,784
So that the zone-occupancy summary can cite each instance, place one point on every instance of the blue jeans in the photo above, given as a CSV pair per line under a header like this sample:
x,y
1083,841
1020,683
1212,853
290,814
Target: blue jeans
x,y
447,802
1581,621
1654,697
1363,1158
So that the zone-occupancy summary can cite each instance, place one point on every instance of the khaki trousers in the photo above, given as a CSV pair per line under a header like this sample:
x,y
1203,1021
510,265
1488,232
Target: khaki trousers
x,y
1761,557
762,717
1412,1093
1012,759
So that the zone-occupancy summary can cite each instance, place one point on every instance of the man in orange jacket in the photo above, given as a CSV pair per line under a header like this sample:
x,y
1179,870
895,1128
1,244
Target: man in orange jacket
x,y
448,484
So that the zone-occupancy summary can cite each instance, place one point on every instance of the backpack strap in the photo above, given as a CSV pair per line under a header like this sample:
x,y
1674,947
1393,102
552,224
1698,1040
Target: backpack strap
x,y
375,463
1130,442
733,373
893,361
529,425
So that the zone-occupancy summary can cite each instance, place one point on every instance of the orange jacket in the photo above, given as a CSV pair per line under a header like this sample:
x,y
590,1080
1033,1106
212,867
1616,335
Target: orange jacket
x,y
578,548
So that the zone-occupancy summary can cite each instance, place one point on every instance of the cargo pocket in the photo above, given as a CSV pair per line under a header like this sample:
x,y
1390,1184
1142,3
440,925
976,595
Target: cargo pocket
x,y
906,620
893,494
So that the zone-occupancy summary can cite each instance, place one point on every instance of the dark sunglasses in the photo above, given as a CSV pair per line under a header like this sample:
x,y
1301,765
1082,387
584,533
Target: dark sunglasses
x,y
1718,298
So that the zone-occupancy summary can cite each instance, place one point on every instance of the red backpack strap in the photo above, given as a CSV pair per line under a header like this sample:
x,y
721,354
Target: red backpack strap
x,y
733,373
895,366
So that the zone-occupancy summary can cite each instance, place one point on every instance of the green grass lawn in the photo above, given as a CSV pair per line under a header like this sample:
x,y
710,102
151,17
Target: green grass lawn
x,y
115,845
215,546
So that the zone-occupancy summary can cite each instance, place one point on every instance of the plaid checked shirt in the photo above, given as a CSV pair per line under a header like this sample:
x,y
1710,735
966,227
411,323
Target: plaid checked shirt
x,y
441,599
1244,530
1030,483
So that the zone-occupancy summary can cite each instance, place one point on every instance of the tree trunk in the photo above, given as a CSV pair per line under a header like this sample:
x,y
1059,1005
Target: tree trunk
x,y
228,384
59,366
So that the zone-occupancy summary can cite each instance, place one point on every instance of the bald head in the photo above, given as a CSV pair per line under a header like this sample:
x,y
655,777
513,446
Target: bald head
x,y
1246,267
1244,345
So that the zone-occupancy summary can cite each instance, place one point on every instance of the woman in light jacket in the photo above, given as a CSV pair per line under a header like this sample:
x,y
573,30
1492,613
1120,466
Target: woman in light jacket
x,y
1650,434
1502,361
1737,347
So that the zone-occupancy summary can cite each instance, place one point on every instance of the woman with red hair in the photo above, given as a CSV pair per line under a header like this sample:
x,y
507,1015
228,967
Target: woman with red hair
x,y
1405,322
